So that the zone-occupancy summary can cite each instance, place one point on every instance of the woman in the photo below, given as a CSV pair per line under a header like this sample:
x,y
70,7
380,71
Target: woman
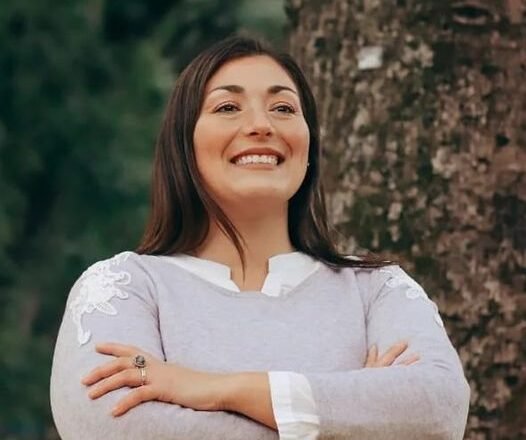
x,y
236,318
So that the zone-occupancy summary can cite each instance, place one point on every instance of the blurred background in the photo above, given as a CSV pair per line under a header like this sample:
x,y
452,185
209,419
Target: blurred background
x,y
424,130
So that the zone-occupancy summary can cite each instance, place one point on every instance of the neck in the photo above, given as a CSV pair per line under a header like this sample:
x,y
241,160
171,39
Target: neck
x,y
265,234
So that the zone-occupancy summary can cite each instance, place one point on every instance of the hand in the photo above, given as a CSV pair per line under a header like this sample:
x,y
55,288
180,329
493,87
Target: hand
x,y
166,382
389,357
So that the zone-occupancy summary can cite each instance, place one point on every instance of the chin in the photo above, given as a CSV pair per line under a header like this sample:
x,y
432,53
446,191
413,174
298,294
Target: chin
x,y
256,196
259,197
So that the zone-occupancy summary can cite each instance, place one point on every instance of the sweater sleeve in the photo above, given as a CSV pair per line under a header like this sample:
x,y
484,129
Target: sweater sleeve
x,y
114,301
426,400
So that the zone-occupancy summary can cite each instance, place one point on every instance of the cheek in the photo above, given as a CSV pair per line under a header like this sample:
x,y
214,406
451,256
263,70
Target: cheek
x,y
203,150
206,144
210,142
298,139
211,138
202,138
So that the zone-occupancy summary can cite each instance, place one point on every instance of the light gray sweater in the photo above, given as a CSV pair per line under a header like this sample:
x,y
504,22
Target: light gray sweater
x,y
322,328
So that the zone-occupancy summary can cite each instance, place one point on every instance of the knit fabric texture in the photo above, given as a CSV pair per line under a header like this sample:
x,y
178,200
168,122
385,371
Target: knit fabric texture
x,y
322,328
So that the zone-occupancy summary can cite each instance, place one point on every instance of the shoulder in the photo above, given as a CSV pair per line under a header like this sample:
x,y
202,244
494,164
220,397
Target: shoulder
x,y
111,277
104,286
123,267
375,280
121,259
390,283
392,287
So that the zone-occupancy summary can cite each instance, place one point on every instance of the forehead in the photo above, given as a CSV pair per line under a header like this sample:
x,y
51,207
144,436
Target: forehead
x,y
259,71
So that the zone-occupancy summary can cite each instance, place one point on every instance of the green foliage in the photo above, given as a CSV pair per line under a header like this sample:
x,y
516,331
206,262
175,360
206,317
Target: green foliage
x,y
82,90
78,120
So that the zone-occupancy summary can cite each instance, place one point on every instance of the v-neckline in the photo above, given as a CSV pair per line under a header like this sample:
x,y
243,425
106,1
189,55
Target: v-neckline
x,y
249,293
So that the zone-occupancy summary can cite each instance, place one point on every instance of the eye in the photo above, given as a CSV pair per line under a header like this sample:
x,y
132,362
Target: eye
x,y
226,108
285,108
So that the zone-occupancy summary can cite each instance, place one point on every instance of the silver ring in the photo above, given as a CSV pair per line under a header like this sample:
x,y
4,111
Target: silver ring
x,y
143,375
140,362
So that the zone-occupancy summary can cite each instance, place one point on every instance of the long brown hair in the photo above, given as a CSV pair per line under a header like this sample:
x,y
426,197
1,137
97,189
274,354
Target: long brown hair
x,y
181,209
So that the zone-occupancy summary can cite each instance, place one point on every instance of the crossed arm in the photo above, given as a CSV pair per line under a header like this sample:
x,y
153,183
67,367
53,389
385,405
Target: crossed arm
x,y
247,393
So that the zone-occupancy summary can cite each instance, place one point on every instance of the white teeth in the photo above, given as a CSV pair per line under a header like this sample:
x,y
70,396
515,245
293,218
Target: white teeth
x,y
257,158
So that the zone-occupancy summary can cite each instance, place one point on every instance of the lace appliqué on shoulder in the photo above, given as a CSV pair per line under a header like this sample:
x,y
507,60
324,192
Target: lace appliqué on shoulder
x,y
98,285
413,289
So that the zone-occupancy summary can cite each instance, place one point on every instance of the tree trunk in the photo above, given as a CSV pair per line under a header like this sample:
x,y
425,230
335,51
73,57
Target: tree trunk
x,y
423,112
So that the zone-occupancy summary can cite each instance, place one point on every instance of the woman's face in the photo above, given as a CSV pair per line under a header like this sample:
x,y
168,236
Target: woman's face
x,y
251,140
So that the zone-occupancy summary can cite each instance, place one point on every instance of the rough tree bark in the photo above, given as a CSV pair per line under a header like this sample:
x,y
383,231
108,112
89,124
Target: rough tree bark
x,y
423,111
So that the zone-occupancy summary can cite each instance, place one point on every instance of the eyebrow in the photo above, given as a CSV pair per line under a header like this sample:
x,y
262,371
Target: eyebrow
x,y
233,88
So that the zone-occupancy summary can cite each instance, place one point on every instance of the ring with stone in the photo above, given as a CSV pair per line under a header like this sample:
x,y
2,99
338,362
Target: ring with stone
x,y
140,362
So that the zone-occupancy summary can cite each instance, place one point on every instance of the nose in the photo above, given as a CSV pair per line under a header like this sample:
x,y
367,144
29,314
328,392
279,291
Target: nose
x,y
258,124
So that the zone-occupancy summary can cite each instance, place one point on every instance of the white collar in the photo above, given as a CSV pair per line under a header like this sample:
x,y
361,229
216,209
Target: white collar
x,y
284,270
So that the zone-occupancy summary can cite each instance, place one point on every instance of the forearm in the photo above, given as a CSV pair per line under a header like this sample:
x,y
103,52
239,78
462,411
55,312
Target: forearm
x,y
72,408
249,394
399,402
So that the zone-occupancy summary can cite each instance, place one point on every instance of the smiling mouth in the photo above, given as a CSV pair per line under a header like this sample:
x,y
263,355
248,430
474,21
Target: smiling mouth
x,y
269,160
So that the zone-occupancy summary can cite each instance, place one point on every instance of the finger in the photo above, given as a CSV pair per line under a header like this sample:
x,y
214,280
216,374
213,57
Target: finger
x,y
117,349
411,359
391,354
371,356
106,370
137,396
129,377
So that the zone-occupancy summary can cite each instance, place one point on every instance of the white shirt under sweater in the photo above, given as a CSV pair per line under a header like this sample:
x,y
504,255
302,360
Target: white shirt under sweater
x,y
292,401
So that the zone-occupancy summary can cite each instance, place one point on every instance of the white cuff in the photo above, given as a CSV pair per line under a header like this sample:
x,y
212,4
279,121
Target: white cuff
x,y
293,405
